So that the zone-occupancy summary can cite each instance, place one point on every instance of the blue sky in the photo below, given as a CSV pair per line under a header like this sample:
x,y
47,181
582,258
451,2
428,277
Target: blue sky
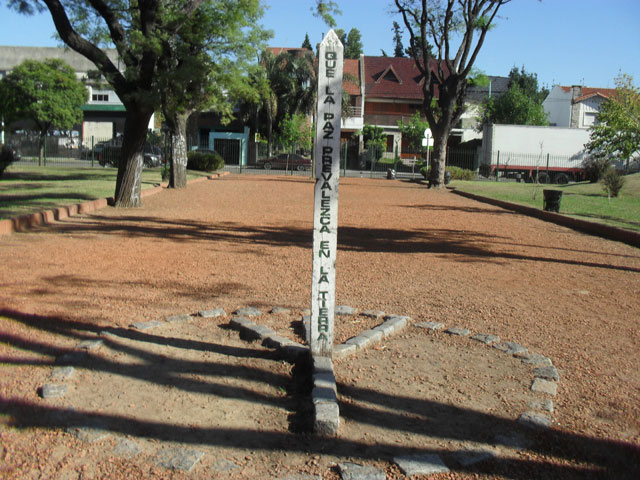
x,y
563,41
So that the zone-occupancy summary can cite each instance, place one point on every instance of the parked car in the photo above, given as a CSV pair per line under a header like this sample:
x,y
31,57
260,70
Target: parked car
x,y
288,161
109,155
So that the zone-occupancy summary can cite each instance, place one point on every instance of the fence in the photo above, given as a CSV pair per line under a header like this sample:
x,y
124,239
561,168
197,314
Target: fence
x,y
542,167
289,160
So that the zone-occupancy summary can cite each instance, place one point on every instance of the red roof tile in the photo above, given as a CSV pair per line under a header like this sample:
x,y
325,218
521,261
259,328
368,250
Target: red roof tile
x,y
392,77
351,67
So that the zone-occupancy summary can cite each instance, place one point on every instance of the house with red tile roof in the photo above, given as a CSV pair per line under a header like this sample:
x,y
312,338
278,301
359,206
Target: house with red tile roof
x,y
575,106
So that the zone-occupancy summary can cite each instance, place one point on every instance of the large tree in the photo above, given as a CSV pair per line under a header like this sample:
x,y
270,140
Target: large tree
x,y
445,73
138,30
204,62
280,85
47,93
521,104
398,49
617,131
353,45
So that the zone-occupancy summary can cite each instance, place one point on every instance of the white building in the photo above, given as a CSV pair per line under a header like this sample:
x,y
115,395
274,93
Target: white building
x,y
576,106
104,113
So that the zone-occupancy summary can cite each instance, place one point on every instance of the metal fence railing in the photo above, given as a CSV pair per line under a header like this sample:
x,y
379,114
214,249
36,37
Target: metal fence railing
x,y
542,167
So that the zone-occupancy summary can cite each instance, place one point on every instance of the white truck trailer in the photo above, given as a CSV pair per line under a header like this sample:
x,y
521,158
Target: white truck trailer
x,y
531,153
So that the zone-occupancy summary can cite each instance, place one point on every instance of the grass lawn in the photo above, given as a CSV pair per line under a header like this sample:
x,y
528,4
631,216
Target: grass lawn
x,y
25,189
581,200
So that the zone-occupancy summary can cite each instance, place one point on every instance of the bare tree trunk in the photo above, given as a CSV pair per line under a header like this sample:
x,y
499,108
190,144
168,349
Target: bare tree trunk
x,y
178,154
131,157
438,159
41,147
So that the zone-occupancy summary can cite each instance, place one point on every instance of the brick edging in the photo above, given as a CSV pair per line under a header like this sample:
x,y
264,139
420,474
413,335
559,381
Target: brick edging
x,y
32,220
592,228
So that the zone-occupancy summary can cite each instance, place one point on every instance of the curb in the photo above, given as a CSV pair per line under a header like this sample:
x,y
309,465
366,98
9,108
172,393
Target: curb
x,y
591,228
33,220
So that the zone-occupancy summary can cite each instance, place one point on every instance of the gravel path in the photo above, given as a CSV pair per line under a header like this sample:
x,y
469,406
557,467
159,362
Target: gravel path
x,y
190,398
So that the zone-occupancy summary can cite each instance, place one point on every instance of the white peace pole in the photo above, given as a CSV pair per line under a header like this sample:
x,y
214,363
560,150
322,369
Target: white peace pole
x,y
325,215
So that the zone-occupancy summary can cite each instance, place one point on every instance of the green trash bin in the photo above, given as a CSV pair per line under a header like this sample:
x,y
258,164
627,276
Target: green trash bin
x,y
552,200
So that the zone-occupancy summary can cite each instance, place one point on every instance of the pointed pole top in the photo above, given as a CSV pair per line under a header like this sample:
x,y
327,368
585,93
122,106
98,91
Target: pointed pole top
x,y
331,40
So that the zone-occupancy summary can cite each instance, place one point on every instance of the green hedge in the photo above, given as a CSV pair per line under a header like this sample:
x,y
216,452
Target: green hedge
x,y
204,161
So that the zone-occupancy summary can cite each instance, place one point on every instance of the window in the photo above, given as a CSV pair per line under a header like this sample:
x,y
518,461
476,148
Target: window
x,y
100,97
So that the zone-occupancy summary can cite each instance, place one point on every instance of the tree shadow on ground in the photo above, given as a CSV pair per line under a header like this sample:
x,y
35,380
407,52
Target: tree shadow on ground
x,y
551,453
460,245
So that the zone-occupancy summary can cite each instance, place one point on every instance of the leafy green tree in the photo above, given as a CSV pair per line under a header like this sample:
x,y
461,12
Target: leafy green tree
x,y
325,10
295,132
353,45
445,71
520,105
202,63
413,131
617,131
514,108
307,43
528,84
47,93
374,139
398,49
280,85
138,30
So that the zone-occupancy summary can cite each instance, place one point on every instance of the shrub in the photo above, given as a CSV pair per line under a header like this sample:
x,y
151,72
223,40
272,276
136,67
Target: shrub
x,y
204,161
595,167
165,172
612,182
7,156
458,173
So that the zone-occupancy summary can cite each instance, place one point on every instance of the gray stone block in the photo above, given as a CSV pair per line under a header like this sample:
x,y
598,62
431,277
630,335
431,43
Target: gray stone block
x,y
431,326
53,390
248,312
301,476
534,420
425,464
146,325
178,318
90,344
513,440
461,332
127,448
548,373
62,373
544,405
510,348
280,311
320,394
466,458
73,358
294,351
373,314
306,324
327,418
240,322
359,342
541,385
90,433
322,364
486,338
397,319
344,350
179,458
534,359
355,471
345,310
216,312
373,335
275,341
385,329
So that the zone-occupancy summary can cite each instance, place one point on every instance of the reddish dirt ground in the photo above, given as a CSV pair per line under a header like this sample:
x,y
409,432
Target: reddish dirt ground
x,y
246,241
